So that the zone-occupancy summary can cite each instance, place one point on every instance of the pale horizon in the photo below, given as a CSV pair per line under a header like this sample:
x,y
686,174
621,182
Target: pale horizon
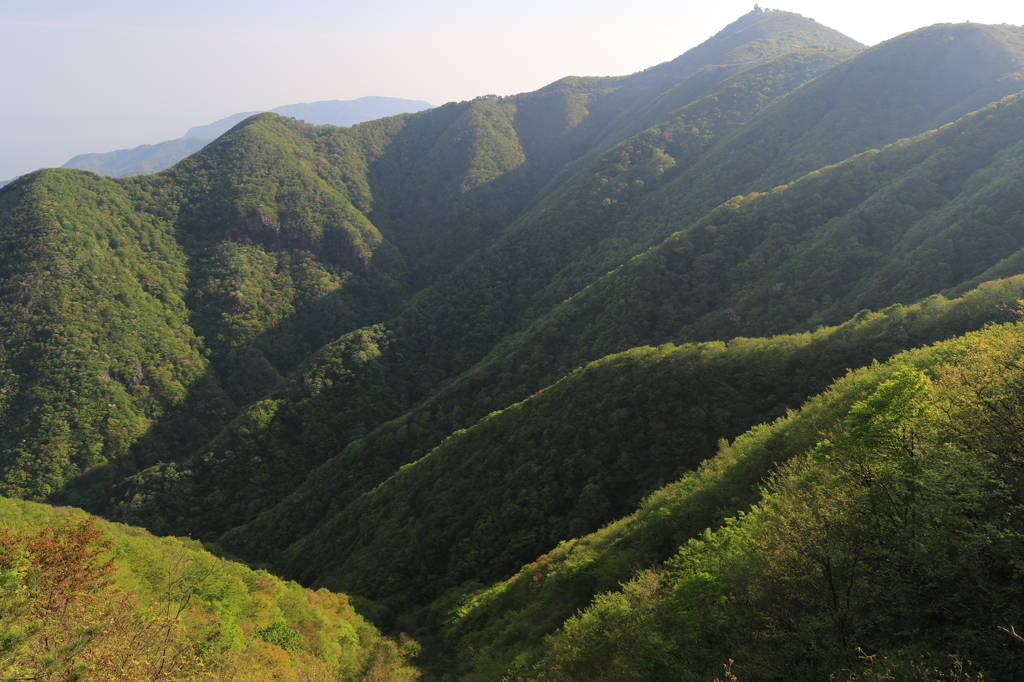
x,y
97,76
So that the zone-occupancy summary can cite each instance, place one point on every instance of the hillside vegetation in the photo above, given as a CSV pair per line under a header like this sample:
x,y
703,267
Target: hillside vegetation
x,y
567,242
849,552
469,167
917,218
588,449
88,600
704,371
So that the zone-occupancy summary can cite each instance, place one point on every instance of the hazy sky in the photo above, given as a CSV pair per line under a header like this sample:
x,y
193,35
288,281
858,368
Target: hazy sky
x,y
97,75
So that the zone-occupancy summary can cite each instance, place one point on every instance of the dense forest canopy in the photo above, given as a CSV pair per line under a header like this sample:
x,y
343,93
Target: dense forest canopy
x,y
707,370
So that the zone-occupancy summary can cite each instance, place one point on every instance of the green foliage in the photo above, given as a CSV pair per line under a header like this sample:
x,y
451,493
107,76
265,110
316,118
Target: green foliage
x,y
126,316
887,93
269,224
850,549
95,329
267,450
865,232
576,456
448,327
773,263
411,356
510,619
467,180
893,414
264,182
169,610
279,634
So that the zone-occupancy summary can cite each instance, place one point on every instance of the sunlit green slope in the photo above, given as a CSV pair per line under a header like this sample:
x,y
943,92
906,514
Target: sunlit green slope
x,y
87,599
138,313
97,342
883,547
514,617
405,358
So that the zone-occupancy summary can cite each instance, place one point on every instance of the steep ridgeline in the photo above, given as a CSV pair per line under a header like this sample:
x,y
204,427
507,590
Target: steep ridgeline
x,y
883,546
450,181
445,179
751,43
588,449
882,228
830,119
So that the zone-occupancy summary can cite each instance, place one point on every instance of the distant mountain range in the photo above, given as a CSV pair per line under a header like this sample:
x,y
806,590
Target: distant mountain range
x,y
150,158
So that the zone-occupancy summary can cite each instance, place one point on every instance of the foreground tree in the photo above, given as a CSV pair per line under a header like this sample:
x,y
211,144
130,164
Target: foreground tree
x,y
61,618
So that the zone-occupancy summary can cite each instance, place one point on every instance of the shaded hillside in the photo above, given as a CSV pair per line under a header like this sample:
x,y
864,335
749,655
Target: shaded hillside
x,y
863,233
465,159
830,119
525,146
928,78
749,42
921,216
584,452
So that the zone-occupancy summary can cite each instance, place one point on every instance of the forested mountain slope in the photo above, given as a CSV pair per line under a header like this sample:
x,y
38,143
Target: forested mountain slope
x,y
513,618
588,449
97,341
406,358
883,547
440,193
441,176
894,226
570,238
122,300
